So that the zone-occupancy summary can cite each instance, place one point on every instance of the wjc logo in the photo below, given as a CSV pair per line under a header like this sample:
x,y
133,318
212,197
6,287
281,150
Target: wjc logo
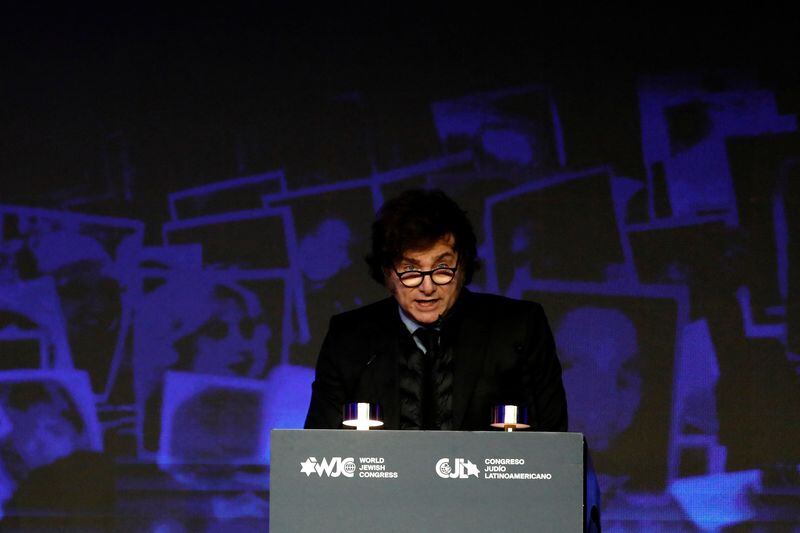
x,y
334,468
462,469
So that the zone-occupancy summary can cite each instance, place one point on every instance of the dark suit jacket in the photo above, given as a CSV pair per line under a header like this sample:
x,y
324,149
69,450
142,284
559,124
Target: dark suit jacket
x,y
503,354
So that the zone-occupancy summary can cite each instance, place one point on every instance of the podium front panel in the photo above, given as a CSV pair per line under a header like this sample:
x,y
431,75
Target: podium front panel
x,y
344,480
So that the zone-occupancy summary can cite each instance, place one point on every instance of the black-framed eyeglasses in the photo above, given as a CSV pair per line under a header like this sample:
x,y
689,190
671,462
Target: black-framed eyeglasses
x,y
439,276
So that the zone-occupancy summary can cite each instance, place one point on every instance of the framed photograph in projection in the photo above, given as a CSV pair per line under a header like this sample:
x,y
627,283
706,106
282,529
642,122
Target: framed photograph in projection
x,y
255,240
50,414
214,323
332,227
515,129
564,227
93,261
212,420
763,170
617,346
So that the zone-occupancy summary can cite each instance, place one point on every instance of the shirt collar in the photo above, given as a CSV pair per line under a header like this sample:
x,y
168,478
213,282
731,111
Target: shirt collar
x,y
409,322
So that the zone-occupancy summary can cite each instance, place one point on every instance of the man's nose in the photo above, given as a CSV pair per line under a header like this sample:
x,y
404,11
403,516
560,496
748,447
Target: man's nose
x,y
427,286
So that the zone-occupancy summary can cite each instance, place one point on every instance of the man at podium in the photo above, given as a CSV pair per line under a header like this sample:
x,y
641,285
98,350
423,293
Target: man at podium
x,y
434,355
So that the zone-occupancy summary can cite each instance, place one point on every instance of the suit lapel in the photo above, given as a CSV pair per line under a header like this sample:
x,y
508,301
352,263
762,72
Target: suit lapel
x,y
470,342
470,352
385,347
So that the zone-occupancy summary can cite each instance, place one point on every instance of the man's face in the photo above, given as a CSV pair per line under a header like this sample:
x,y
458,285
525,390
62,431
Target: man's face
x,y
230,343
42,435
427,302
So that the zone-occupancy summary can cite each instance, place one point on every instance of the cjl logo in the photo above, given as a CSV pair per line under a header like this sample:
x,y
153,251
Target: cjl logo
x,y
334,468
462,469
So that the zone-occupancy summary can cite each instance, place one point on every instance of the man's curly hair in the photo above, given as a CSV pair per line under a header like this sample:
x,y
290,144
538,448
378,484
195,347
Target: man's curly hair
x,y
415,220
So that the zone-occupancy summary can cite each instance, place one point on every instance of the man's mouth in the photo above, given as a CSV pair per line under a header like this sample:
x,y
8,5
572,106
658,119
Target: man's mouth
x,y
427,303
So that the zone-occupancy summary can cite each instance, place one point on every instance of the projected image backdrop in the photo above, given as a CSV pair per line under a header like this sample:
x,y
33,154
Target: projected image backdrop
x,y
165,311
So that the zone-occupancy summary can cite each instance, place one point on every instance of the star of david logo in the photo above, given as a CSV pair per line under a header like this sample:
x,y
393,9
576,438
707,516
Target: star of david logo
x,y
307,466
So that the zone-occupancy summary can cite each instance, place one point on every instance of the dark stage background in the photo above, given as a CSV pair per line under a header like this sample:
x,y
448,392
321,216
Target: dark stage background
x,y
185,200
